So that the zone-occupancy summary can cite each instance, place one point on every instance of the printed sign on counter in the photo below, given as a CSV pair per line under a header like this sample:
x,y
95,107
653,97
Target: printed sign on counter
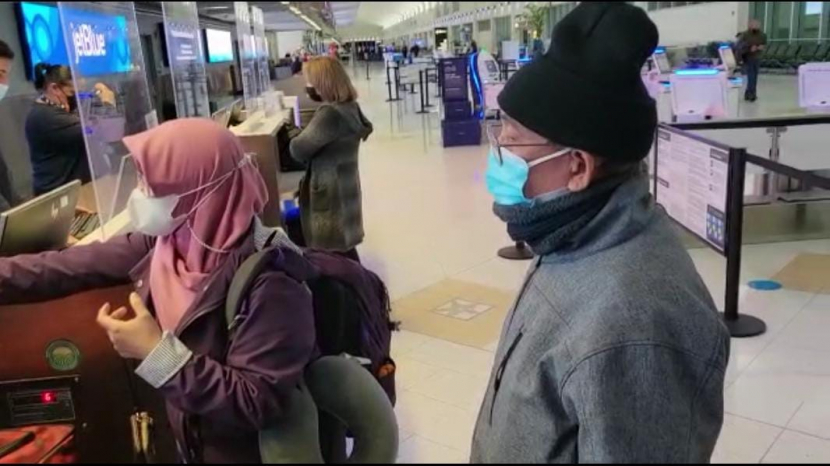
x,y
693,185
187,59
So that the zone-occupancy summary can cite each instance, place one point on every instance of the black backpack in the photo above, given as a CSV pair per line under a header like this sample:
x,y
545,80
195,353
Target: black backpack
x,y
345,323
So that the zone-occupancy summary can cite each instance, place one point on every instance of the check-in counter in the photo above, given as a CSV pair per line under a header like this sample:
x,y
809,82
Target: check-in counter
x,y
59,369
259,136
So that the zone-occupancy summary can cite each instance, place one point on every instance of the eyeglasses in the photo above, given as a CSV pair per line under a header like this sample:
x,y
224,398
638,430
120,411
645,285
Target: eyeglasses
x,y
493,129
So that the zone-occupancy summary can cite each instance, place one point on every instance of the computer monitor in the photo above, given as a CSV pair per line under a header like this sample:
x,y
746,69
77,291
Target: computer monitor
x,y
41,224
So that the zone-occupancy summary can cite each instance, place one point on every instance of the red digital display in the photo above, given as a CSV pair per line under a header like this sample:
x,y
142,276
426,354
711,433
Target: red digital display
x,y
48,398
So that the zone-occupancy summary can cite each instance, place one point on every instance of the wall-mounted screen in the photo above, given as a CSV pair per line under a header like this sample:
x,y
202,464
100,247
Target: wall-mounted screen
x,y
219,46
100,43
42,37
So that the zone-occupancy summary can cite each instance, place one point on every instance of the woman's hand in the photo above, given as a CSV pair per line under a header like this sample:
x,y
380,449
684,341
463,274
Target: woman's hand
x,y
105,94
132,339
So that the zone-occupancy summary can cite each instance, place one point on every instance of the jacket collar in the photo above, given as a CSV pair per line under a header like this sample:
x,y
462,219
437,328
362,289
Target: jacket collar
x,y
628,212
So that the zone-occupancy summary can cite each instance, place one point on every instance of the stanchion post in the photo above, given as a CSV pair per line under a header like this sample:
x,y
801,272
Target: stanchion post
x,y
425,90
421,87
517,252
740,326
398,82
367,70
439,74
388,85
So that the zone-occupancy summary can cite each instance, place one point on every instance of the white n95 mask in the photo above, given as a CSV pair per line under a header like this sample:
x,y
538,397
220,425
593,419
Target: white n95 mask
x,y
153,216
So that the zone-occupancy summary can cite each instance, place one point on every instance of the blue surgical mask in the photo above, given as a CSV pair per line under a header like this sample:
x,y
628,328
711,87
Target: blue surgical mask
x,y
506,180
4,88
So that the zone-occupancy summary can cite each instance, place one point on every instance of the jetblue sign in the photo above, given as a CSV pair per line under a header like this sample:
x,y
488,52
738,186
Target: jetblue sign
x,y
99,42
87,43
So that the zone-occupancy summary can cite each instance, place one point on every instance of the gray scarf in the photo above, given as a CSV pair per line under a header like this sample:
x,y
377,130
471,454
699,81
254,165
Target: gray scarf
x,y
549,226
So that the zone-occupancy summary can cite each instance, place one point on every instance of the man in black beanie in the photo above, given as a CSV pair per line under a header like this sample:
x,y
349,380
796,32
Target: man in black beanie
x,y
614,351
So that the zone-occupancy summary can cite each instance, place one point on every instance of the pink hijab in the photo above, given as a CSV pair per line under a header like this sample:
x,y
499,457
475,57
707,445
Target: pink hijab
x,y
178,157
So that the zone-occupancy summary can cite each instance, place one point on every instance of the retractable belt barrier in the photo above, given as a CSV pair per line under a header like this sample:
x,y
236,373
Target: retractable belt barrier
x,y
717,217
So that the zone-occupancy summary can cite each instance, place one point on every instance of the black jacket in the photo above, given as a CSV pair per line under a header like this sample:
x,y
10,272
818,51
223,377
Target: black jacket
x,y
7,197
56,145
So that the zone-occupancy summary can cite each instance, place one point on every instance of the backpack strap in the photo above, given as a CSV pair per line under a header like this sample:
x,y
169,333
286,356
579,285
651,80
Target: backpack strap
x,y
241,285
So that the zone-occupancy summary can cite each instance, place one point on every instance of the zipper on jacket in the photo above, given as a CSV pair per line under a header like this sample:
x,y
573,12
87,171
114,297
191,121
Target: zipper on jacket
x,y
536,264
500,373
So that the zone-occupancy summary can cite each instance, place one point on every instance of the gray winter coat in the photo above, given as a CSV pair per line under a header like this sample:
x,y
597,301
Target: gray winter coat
x,y
614,352
330,195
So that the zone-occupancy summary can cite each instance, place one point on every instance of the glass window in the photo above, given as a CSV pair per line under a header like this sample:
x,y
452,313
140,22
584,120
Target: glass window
x,y
813,8
503,29
808,19
758,10
781,19
825,30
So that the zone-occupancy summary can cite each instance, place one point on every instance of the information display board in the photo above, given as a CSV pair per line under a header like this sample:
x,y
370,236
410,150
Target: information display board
x,y
455,79
692,184
187,59
247,56
219,45
113,97
43,36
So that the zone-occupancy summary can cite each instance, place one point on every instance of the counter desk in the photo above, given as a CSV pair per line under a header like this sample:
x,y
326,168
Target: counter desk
x,y
258,135
55,353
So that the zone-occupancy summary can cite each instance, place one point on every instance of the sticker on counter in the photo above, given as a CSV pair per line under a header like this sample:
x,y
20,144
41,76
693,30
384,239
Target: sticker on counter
x,y
63,356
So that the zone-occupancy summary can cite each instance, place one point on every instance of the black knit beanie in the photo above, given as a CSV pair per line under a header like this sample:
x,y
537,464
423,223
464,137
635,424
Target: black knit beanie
x,y
586,91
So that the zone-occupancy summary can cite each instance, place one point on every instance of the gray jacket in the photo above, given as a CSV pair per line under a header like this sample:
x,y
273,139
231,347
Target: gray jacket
x,y
330,196
614,352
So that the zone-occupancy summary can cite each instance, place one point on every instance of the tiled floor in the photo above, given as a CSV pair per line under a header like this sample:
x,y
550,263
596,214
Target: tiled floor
x,y
428,219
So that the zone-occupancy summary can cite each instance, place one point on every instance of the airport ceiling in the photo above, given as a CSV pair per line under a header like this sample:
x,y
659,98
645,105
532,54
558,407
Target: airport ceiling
x,y
386,14
279,17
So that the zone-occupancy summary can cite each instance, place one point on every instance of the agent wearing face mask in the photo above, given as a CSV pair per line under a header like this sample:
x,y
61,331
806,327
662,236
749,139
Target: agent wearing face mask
x,y
54,133
8,197
331,202
195,221
614,352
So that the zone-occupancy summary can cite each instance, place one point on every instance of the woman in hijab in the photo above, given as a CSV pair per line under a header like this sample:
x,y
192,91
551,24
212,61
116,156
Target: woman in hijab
x,y
194,216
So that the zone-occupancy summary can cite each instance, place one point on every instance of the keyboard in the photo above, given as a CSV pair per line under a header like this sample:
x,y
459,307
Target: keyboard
x,y
84,224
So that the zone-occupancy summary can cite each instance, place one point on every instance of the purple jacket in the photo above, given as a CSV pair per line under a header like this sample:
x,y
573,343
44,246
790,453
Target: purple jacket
x,y
223,396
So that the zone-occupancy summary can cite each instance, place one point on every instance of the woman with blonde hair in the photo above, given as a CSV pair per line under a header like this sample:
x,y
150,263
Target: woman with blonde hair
x,y
330,195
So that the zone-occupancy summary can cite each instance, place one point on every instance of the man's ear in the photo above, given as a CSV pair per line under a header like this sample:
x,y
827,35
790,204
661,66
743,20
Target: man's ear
x,y
584,170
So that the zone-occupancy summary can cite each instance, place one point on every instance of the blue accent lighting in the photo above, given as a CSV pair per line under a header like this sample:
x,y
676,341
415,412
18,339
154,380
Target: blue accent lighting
x,y
477,83
704,72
